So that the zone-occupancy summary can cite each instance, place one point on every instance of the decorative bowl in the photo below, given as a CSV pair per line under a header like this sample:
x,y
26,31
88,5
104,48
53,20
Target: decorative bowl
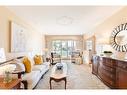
x,y
108,54
59,66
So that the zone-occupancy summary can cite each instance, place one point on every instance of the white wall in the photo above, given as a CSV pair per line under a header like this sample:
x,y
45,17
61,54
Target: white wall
x,y
35,38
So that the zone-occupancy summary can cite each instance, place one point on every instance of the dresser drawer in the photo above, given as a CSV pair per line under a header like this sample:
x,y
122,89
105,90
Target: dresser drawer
x,y
121,76
109,62
122,65
109,69
106,73
106,79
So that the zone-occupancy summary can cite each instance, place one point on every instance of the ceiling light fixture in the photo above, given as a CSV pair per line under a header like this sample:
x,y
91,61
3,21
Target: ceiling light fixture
x,y
64,20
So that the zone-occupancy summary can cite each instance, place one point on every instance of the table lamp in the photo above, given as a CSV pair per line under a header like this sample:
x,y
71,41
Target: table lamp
x,y
2,55
46,52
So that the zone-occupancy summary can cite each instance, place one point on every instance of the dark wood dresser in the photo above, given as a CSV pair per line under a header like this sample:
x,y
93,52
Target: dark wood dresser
x,y
112,72
121,74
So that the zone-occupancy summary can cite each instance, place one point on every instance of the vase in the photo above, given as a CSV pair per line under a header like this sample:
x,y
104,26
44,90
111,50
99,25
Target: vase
x,y
108,54
7,77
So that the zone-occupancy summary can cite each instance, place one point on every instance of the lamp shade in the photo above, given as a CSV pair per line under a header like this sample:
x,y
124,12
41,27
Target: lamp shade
x,y
46,49
2,55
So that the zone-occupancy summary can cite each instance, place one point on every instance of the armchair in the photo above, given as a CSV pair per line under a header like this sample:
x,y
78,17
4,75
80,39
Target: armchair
x,y
76,57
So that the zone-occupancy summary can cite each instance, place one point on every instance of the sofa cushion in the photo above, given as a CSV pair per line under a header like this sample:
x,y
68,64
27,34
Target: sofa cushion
x,y
32,78
39,67
31,60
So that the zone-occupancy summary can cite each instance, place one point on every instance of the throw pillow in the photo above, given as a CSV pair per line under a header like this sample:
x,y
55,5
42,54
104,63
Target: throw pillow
x,y
27,64
38,59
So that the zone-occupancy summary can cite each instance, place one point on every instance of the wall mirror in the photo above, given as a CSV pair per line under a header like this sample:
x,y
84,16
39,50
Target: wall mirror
x,y
119,38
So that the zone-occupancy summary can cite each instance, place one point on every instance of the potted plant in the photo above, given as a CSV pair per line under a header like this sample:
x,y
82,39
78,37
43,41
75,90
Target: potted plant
x,y
107,53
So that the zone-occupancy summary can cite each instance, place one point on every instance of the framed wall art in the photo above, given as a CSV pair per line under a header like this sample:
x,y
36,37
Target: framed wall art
x,y
18,38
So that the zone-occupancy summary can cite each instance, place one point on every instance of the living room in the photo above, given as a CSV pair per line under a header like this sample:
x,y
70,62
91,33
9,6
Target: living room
x,y
63,47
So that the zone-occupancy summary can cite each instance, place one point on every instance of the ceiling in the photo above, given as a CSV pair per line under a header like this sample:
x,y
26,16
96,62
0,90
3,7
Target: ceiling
x,y
64,20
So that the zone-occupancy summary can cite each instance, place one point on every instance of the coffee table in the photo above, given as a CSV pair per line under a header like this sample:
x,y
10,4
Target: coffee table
x,y
58,75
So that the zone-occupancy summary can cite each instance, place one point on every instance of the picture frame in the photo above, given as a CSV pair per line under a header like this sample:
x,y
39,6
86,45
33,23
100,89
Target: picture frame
x,y
18,38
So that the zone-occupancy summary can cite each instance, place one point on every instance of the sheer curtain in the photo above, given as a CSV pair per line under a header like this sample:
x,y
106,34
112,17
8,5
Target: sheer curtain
x,y
66,43
64,47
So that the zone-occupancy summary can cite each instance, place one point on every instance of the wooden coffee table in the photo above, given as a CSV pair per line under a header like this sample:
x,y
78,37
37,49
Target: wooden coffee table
x,y
58,75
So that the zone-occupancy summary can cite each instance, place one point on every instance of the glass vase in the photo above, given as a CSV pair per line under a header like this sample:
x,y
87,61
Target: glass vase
x,y
7,77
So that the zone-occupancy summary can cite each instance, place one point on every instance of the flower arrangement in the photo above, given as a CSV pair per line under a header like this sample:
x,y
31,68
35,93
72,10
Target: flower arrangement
x,y
7,70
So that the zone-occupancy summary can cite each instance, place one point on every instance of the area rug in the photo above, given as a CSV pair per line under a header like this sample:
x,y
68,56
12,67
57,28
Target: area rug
x,y
79,77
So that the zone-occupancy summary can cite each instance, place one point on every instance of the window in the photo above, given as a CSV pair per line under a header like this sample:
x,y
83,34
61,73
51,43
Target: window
x,y
64,47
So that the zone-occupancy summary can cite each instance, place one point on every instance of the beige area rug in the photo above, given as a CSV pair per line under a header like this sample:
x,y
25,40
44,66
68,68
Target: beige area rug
x,y
79,77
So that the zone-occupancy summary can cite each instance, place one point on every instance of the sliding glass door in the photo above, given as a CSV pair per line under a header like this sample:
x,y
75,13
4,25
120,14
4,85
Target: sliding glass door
x,y
56,46
64,47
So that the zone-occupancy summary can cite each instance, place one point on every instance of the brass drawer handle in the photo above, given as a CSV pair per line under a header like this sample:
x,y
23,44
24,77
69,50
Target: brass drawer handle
x,y
111,82
111,69
124,67
111,76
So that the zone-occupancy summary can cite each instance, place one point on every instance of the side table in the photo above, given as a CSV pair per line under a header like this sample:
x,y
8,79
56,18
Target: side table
x,y
14,84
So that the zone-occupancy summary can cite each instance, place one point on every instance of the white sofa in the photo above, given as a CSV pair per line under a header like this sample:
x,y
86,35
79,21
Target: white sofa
x,y
32,78
36,74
